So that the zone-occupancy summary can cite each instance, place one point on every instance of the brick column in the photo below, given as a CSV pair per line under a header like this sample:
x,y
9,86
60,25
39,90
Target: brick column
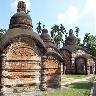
x,y
2,63
43,85
62,69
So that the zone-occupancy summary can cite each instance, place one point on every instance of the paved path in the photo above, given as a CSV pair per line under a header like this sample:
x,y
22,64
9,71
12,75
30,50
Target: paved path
x,y
65,80
94,89
72,80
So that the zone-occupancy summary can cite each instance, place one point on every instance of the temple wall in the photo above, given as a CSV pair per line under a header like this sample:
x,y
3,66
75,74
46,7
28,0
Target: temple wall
x,y
67,61
70,60
21,69
53,73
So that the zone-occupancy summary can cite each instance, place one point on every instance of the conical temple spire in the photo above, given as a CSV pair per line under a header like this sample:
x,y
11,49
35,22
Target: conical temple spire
x,y
21,6
21,19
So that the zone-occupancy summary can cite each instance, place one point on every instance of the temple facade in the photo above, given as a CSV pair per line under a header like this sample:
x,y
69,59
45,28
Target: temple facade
x,y
76,59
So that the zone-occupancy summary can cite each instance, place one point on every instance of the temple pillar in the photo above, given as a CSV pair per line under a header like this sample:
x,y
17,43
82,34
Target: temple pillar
x,y
62,69
2,65
43,85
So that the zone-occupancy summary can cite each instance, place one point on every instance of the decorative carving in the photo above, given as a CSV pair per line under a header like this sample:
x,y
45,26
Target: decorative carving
x,y
78,53
23,48
21,51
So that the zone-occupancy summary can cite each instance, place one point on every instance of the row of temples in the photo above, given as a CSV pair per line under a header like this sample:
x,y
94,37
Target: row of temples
x,y
29,62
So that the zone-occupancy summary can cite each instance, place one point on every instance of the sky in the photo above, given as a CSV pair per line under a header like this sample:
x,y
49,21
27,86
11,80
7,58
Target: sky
x,y
70,13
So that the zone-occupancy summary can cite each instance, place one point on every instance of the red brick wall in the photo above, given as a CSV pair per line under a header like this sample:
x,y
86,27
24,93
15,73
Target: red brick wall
x,y
21,68
53,73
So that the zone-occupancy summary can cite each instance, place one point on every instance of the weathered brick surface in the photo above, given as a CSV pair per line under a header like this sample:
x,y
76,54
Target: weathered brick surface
x,y
21,70
78,61
53,73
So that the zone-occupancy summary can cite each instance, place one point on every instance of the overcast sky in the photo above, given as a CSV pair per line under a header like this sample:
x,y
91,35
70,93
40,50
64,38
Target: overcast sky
x,y
70,13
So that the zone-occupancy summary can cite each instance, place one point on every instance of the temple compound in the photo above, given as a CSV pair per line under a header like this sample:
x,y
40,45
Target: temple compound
x,y
76,59
28,61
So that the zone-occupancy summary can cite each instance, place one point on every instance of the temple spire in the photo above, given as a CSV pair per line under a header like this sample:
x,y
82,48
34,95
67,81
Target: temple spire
x,y
21,6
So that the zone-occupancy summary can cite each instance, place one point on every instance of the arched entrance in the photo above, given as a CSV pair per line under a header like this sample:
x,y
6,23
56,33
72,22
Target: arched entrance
x,y
80,65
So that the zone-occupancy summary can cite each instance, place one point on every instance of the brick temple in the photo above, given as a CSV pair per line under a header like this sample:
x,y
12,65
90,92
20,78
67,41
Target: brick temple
x,y
76,59
29,61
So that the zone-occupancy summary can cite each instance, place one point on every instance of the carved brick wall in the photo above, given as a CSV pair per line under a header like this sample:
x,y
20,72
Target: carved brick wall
x,y
53,72
78,66
21,68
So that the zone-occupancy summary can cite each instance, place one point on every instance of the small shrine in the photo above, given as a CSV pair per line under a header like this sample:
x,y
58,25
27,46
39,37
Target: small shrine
x,y
76,59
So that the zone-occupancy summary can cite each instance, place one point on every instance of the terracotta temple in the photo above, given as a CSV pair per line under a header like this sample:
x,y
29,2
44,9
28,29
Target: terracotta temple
x,y
76,59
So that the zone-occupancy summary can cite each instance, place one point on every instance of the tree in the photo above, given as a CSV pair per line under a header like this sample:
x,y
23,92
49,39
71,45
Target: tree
x,y
2,31
57,34
39,28
63,30
77,30
89,43
54,30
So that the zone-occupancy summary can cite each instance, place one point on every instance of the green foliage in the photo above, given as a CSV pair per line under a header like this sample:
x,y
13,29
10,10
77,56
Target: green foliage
x,y
54,30
2,31
75,76
40,27
78,41
77,31
57,33
75,89
89,43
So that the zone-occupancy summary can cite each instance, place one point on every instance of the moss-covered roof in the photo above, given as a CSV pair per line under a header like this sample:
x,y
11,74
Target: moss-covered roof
x,y
16,32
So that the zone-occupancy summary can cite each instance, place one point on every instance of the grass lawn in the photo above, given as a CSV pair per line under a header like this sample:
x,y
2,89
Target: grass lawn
x,y
75,89
75,76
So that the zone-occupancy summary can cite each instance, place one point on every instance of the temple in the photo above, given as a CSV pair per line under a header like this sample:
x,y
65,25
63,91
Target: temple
x,y
76,59
30,62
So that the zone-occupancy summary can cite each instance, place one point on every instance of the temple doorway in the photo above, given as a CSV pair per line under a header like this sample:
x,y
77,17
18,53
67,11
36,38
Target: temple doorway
x,y
80,65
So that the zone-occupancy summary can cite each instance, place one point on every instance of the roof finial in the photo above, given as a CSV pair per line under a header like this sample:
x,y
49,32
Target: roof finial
x,y
70,32
21,6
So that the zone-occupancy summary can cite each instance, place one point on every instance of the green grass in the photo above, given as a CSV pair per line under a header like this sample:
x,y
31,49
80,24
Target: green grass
x,y
74,76
75,89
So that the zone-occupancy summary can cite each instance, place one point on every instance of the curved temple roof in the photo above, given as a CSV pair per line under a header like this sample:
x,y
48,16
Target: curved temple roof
x,y
21,19
12,33
48,42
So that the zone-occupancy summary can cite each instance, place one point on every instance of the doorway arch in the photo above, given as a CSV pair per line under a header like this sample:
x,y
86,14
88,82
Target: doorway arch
x,y
81,65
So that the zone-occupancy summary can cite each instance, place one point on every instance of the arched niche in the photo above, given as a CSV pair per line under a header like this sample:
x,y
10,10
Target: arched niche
x,y
21,65
80,65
